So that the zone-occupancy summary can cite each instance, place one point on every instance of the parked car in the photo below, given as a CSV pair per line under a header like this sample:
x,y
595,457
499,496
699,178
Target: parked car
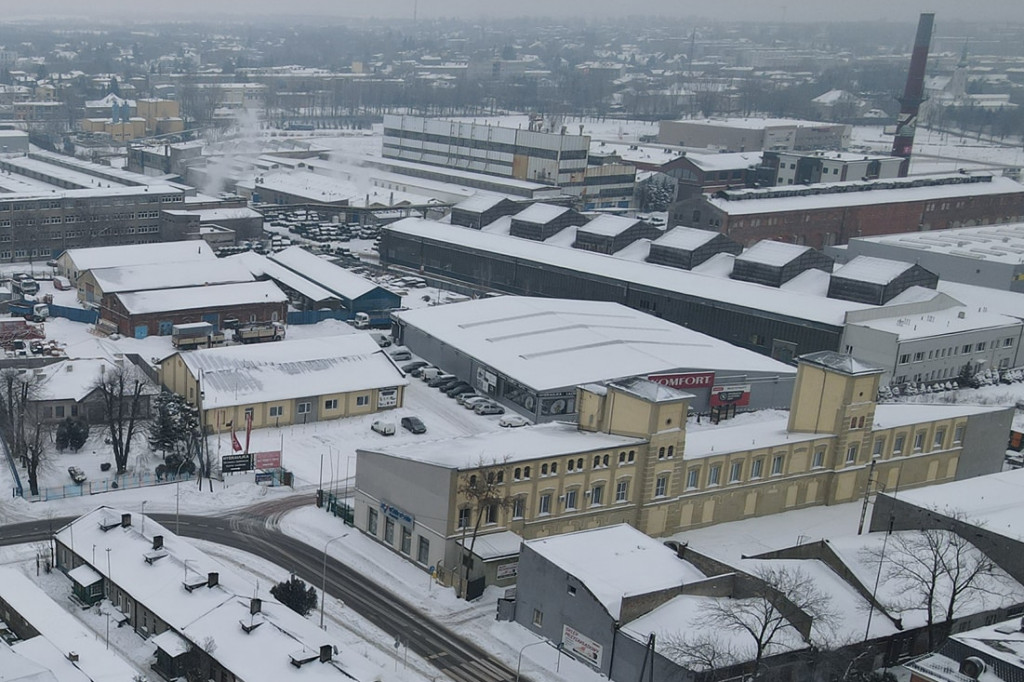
x,y
472,401
400,355
463,397
414,424
383,427
411,367
455,390
512,421
77,475
489,408
444,382
418,372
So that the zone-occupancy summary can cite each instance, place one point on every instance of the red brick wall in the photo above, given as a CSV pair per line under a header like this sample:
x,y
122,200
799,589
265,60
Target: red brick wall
x,y
114,311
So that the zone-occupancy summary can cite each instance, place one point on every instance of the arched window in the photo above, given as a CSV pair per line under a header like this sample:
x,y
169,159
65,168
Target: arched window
x,y
526,472
579,464
606,460
543,469
671,450
554,467
661,453
501,477
570,465
597,461
516,474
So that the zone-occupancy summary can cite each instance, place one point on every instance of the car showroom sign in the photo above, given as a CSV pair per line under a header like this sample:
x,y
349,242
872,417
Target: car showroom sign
x,y
683,382
737,394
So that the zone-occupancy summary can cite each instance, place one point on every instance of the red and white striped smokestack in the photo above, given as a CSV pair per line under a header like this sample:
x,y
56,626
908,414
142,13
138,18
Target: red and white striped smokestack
x,y
913,94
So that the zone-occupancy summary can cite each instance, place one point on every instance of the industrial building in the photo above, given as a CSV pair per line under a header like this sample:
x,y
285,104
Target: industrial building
x,y
990,256
96,283
140,314
288,382
829,214
357,294
754,134
791,168
634,457
532,353
75,262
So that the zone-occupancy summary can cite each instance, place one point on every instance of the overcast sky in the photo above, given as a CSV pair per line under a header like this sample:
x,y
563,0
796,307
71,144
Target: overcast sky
x,y
1004,11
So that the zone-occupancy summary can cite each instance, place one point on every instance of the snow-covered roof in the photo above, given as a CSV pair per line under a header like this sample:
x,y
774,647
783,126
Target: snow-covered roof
x,y
61,630
74,379
169,275
213,215
258,373
728,161
306,185
608,225
755,123
479,203
158,579
327,275
874,192
193,298
685,238
616,562
491,546
550,343
540,213
261,266
839,362
733,292
769,252
938,322
140,254
649,390
992,501
509,445
872,270
135,190
995,243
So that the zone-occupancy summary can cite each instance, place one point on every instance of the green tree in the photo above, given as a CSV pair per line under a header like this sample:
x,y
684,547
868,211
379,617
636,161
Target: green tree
x,y
72,434
295,594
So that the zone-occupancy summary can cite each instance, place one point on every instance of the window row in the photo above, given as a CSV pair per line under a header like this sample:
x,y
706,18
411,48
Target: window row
x,y
578,464
405,534
951,351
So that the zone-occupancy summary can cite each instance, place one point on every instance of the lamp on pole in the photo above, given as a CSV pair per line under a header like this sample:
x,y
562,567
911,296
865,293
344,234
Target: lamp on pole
x,y
323,585
519,662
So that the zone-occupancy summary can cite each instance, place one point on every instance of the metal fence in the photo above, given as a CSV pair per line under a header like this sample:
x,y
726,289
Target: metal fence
x,y
122,482
74,314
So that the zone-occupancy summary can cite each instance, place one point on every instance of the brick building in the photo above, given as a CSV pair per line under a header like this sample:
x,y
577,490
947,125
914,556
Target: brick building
x,y
145,313
824,215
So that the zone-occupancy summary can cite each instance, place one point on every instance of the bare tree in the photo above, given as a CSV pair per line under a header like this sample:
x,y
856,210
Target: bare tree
x,y
23,424
487,496
705,654
937,571
122,391
766,608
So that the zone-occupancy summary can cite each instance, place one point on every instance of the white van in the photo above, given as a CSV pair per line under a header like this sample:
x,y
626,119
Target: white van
x,y
383,427
429,373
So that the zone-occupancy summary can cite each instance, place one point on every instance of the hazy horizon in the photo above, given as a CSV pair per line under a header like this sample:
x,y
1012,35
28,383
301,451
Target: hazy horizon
x,y
789,11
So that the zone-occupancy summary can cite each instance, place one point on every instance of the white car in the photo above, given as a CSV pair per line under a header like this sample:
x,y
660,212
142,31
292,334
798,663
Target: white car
x,y
383,427
512,421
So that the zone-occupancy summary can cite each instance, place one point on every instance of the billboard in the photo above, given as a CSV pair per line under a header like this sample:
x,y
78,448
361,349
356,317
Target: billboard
x,y
736,394
268,460
686,381
235,463
581,646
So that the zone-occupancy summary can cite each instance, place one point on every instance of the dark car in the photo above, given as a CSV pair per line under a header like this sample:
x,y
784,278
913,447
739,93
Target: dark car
x,y
411,367
414,424
458,389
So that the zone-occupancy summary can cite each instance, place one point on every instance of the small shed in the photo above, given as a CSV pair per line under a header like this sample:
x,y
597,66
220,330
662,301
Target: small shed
x,y
541,221
877,281
688,247
610,234
481,210
86,584
775,263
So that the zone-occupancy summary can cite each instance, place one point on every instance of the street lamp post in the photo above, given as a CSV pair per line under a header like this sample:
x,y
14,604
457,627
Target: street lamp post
x,y
519,662
323,585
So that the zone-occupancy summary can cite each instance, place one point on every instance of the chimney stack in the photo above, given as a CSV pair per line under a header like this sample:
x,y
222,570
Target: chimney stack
x,y
326,653
158,541
213,579
126,520
255,606
73,656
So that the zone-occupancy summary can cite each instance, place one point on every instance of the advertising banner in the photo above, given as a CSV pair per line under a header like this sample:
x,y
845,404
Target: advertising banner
x,y
684,382
737,395
581,646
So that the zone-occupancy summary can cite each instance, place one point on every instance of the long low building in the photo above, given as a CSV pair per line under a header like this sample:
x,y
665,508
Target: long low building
x,y
146,313
74,262
532,353
290,382
94,284
774,322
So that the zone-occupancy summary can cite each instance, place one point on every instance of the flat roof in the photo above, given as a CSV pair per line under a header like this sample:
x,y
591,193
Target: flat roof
x,y
758,123
159,189
192,298
550,343
608,225
994,243
540,213
685,238
140,254
552,439
747,295
861,193
615,562
940,322
259,373
773,253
